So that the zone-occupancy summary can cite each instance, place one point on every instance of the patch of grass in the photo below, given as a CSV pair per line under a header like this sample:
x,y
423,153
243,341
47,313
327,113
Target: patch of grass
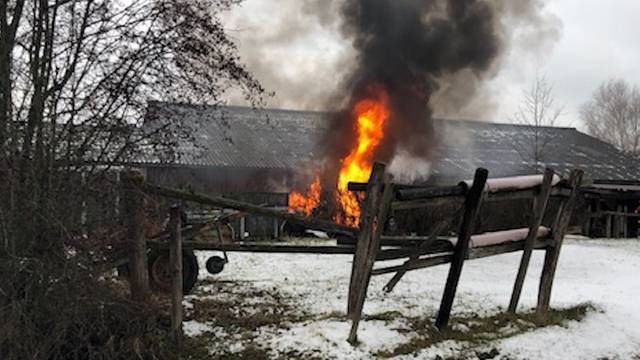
x,y
475,330
238,310
244,308
301,355
384,316
250,351
197,348
334,315
227,314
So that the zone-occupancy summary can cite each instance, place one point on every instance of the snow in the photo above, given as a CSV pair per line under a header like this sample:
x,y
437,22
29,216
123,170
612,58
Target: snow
x,y
499,237
194,328
328,335
603,273
515,182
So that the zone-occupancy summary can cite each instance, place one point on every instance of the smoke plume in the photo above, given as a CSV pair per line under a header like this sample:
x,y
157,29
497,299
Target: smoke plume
x,y
426,54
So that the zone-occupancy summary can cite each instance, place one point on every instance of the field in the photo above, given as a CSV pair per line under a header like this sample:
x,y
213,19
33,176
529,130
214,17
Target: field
x,y
292,306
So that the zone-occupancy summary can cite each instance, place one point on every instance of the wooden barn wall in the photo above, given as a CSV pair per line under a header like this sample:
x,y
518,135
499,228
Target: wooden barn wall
x,y
267,187
220,180
494,216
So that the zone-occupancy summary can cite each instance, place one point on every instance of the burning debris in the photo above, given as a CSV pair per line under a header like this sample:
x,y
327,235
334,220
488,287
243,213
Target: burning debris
x,y
305,203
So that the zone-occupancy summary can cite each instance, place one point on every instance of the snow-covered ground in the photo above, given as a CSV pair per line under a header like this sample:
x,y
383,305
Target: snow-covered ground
x,y
604,273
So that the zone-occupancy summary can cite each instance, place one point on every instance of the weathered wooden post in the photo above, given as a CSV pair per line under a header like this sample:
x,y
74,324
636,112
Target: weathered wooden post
x,y
367,217
471,207
552,253
133,213
175,258
372,219
540,205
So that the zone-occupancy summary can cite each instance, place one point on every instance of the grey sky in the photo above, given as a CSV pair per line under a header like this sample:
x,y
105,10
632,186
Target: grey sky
x,y
296,49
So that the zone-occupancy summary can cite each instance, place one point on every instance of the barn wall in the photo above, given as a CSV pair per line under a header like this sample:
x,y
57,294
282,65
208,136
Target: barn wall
x,y
220,180
266,187
494,216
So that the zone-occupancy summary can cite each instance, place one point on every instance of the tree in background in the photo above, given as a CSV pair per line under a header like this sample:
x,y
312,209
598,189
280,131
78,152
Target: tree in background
x,y
613,114
75,79
538,109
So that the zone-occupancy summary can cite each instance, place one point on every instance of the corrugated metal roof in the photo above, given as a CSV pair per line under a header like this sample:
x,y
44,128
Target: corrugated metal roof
x,y
281,139
242,136
507,149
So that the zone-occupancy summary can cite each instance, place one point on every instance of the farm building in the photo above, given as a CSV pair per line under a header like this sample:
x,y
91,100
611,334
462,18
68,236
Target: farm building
x,y
253,155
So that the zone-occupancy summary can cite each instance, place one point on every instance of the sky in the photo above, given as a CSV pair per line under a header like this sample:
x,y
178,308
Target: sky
x,y
296,49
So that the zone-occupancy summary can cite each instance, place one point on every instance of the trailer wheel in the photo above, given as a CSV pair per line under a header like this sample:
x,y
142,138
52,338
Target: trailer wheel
x,y
160,270
215,265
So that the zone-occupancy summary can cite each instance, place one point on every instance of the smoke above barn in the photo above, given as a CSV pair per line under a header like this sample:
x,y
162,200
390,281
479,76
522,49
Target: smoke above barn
x,y
405,51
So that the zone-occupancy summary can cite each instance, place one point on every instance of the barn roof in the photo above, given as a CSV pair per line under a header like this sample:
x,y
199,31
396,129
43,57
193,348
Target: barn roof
x,y
280,139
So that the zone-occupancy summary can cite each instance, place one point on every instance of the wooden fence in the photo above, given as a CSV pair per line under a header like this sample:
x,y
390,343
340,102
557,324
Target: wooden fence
x,y
369,244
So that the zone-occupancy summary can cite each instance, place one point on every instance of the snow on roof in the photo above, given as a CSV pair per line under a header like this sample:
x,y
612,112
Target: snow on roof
x,y
230,136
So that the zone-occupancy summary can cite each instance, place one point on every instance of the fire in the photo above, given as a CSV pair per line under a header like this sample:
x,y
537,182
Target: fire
x,y
371,115
305,203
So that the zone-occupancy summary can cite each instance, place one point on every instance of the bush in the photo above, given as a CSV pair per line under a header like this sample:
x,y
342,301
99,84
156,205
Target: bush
x,y
64,310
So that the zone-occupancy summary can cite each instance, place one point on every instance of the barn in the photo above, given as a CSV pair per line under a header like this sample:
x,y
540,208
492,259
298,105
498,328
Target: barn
x,y
253,155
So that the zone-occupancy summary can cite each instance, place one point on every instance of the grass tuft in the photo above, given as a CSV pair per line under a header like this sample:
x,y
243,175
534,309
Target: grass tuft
x,y
473,330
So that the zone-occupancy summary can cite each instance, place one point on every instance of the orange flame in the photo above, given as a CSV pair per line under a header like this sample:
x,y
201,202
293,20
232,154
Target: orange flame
x,y
305,203
371,115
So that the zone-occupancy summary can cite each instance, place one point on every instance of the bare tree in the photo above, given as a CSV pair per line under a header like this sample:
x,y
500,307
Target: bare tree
x,y
538,109
613,114
75,79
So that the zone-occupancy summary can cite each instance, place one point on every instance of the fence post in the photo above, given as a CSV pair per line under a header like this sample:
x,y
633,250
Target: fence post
x,y
472,204
133,212
175,258
552,253
539,208
378,210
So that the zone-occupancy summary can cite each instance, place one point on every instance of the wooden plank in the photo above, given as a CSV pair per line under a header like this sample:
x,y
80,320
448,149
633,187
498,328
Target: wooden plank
x,y
540,206
459,191
471,209
367,218
422,203
419,263
222,202
133,207
175,259
504,195
474,253
374,245
511,246
404,253
432,192
422,247
553,252
408,242
262,247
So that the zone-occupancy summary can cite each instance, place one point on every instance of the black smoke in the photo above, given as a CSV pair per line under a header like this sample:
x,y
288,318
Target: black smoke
x,y
409,47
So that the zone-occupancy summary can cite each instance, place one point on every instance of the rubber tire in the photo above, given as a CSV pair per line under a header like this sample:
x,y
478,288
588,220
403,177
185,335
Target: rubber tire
x,y
190,270
215,265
